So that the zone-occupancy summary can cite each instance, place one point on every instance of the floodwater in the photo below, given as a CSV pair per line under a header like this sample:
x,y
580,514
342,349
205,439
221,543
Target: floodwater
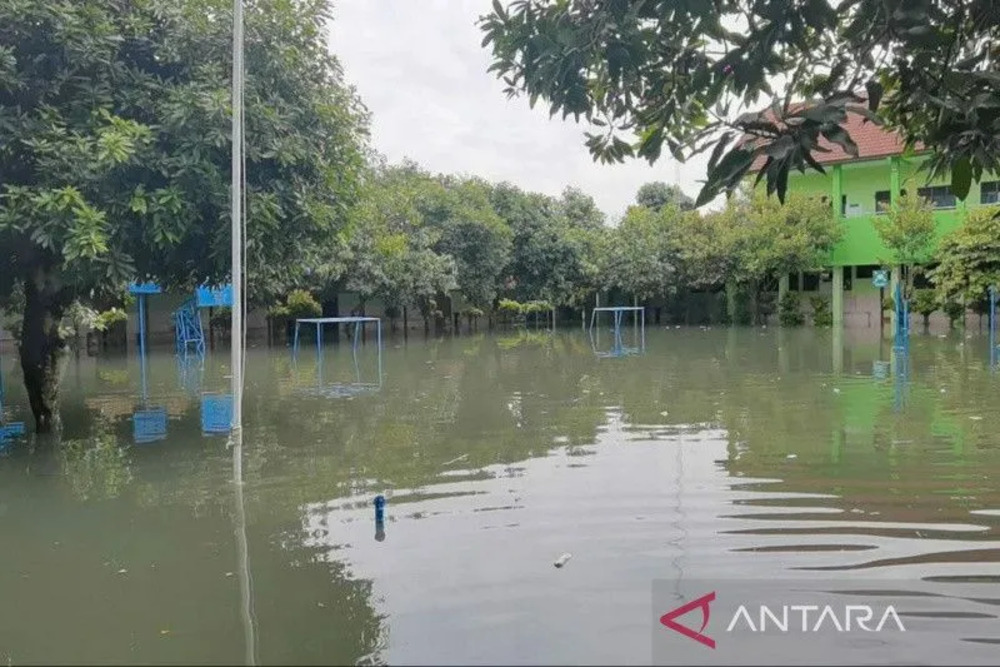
x,y
714,454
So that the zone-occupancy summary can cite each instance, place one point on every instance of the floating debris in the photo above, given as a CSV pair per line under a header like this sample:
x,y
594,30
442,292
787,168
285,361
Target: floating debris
x,y
562,560
123,571
975,418
836,390
792,456
456,460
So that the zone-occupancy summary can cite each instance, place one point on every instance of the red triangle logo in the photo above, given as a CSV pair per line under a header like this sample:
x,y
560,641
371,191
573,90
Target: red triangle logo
x,y
702,603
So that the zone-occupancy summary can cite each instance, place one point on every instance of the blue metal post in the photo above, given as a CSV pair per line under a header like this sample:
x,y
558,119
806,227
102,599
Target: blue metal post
x,y
378,341
142,324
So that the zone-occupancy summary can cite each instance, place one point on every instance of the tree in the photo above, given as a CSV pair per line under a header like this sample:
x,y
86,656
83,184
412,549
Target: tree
x,y
471,233
641,256
970,258
907,231
114,157
549,259
581,210
394,258
652,73
658,194
925,302
754,238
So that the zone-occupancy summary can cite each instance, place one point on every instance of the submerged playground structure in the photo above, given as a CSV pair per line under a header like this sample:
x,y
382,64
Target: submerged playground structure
x,y
150,421
618,346
359,385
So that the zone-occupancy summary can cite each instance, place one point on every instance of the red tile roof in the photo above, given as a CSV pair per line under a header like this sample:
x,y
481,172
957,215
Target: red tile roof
x,y
873,141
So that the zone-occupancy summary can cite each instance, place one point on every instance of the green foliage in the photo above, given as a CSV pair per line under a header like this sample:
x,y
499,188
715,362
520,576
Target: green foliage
x,y
954,309
907,230
925,302
509,308
657,195
534,307
115,157
790,310
641,255
661,74
821,314
300,303
970,257
554,246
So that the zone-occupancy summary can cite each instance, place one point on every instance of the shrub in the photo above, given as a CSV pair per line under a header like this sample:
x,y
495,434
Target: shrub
x,y
822,315
509,308
925,302
301,303
954,309
790,310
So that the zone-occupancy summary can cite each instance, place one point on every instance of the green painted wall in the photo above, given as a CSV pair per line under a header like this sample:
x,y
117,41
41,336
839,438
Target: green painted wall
x,y
860,243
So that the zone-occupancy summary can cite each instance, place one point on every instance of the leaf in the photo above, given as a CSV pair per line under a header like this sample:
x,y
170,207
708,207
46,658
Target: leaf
x,y
961,178
717,151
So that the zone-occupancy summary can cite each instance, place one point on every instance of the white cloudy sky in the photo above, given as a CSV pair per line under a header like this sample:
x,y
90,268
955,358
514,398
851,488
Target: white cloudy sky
x,y
419,68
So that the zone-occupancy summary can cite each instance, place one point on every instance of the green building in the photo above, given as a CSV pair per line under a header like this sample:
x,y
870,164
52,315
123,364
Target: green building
x,y
864,187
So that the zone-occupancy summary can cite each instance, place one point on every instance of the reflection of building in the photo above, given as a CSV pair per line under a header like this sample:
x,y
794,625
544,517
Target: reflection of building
x,y
862,188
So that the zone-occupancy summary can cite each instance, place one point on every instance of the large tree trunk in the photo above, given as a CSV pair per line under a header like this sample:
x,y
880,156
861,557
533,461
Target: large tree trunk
x,y
41,349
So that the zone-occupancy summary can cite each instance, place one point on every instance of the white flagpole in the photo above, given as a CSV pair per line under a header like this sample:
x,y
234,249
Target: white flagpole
x,y
237,220
236,435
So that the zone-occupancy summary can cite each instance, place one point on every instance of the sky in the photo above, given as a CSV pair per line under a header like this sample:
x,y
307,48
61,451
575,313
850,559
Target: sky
x,y
419,68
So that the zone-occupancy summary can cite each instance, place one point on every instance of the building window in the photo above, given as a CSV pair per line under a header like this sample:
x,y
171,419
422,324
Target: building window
x,y
843,205
866,272
848,279
883,201
989,192
793,282
810,282
939,195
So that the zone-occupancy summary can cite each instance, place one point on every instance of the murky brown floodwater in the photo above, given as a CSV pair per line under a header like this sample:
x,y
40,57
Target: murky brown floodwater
x,y
716,454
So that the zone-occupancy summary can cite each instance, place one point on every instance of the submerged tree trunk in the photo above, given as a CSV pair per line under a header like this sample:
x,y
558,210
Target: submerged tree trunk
x,y
41,348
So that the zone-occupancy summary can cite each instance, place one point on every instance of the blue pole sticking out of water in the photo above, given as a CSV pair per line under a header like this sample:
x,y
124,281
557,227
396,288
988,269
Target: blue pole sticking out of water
x,y
379,518
993,327
902,310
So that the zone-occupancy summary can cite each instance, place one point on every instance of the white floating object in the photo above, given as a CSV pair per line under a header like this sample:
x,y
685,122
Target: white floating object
x,y
562,560
975,418
792,456
836,390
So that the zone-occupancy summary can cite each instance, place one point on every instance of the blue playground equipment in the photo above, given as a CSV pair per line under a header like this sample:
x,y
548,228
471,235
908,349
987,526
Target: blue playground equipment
x,y
188,329
8,430
141,291
618,347
216,408
216,413
150,423
342,389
